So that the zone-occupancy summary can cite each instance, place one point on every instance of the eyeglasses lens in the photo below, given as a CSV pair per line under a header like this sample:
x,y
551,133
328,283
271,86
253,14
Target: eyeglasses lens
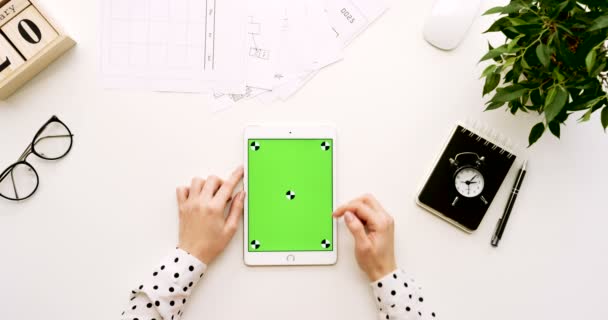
x,y
18,182
53,142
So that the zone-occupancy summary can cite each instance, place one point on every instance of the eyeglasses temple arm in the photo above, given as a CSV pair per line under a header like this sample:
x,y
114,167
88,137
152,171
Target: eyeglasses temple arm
x,y
50,137
14,186
25,153
30,147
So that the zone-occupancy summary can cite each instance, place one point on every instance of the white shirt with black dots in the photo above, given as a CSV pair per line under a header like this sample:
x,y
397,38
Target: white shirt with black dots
x,y
164,292
399,297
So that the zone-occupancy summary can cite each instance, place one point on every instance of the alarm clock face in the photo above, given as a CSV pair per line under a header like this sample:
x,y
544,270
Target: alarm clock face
x,y
469,182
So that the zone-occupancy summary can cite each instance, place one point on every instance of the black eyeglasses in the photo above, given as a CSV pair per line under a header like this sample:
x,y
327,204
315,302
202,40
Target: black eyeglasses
x,y
52,142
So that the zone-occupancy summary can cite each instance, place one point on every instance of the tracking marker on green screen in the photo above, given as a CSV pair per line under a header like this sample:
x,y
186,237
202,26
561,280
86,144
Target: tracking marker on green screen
x,y
290,195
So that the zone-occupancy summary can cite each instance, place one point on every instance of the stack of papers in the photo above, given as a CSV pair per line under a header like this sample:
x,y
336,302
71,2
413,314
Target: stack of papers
x,y
232,49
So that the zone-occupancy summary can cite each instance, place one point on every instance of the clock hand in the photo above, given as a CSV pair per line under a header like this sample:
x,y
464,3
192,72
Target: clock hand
x,y
475,176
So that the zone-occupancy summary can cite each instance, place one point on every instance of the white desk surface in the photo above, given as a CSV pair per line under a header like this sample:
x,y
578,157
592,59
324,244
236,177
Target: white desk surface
x,y
106,214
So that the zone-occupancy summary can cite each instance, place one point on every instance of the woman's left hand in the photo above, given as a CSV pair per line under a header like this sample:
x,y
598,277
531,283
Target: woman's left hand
x,y
204,231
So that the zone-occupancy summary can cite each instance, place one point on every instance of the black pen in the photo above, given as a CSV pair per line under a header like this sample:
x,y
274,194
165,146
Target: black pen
x,y
502,222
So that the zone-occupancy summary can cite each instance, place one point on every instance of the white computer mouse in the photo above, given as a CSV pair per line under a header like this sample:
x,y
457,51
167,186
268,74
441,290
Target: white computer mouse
x,y
449,22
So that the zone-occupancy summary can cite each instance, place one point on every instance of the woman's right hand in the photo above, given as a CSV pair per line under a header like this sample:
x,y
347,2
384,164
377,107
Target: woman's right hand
x,y
373,230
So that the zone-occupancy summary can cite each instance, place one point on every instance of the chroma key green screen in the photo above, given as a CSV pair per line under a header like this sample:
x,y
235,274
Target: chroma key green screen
x,y
290,195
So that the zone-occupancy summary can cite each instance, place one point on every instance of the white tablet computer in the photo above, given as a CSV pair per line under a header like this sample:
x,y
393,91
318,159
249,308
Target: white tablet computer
x,y
290,183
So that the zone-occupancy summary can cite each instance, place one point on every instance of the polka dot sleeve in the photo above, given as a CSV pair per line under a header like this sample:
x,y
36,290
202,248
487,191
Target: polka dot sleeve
x,y
399,297
164,292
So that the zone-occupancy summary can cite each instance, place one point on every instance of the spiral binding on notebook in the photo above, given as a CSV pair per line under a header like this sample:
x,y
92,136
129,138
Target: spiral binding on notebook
x,y
497,141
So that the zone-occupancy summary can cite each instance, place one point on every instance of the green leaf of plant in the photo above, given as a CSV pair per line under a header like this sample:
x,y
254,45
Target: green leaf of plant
x,y
579,26
560,8
488,70
605,117
530,57
492,82
558,75
554,127
590,60
524,99
556,100
514,105
550,96
517,70
598,105
494,53
511,45
585,84
544,54
599,23
551,38
512,7
562,117
524,63
516,21
509,62
584,103
494,105
586,116
536,132
565,29
493,11
527,29
536,97
499,25
509,93
598,69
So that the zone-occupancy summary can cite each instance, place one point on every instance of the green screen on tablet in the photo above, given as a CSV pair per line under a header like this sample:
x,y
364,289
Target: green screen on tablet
x,y
290,195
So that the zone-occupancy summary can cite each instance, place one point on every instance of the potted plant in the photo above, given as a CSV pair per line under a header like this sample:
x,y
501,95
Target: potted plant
x,y
554,61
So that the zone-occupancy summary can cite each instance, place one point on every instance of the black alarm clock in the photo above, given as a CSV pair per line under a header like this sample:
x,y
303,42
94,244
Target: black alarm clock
x,y
468,179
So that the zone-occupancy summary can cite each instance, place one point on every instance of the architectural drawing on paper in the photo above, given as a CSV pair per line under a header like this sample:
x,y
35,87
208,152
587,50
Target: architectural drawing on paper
x,y
254,29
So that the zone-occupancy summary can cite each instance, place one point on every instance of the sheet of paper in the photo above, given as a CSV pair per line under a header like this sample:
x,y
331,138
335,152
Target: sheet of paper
x,y
307,42
265,20
286,90
287,40
174,45
313,34
349,18
223,101
328,49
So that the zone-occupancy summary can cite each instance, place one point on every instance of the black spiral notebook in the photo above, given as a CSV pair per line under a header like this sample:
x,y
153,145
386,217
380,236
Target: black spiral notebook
x,y
466,177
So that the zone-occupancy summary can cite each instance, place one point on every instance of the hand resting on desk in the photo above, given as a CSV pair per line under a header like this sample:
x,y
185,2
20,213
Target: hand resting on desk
x,y
204,232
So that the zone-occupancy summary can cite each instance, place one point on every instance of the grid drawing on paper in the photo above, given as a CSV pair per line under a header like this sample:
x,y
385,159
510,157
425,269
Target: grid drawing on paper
x,y
167,34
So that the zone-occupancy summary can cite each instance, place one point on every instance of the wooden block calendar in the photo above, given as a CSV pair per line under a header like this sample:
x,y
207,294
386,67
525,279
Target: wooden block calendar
x,y
29,42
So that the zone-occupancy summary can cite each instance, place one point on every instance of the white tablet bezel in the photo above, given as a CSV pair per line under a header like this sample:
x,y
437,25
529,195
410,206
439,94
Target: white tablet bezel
x,y
299,257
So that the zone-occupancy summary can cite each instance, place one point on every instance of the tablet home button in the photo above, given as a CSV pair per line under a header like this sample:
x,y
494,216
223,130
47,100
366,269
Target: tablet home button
x,y
291,258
